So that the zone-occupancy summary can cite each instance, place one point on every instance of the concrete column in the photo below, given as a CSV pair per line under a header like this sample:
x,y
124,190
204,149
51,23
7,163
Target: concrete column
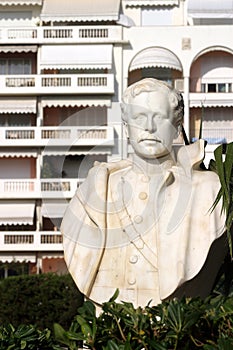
x,y
38,265
186,106
39,119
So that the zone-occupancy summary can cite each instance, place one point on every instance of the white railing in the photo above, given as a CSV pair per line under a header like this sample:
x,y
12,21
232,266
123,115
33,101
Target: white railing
x,y
215,136
17,186
31,241
55,84
38,188
72,34
57,136
210,99
222,84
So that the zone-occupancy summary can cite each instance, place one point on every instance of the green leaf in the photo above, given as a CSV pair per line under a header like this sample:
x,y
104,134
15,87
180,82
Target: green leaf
x,y
115,295
80,320
60,334
229,162
111,345
86,329
88,308
225,343
218,153
23,344
225,173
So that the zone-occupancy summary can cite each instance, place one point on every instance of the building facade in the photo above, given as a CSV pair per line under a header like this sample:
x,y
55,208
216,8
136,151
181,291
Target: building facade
x,y
63,68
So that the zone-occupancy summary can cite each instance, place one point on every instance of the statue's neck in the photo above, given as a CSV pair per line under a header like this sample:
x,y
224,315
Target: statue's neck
x,y
150,166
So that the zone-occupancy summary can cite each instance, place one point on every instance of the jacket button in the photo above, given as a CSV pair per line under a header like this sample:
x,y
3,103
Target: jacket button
x,y
138,219
133,259
131,280
142,195
145,178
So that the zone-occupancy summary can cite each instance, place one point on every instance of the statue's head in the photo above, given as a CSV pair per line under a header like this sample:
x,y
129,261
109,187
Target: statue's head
x,y
152,112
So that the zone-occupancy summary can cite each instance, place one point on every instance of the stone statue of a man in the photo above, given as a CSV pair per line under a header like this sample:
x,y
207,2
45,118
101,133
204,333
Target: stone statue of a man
x,y
144,224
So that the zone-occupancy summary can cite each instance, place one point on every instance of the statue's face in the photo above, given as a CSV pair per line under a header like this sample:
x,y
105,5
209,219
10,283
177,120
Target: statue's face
x,y
150,127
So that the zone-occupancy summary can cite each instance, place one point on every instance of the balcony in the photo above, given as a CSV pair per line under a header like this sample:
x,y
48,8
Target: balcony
x,y
32,241
60,35
211,92
215,136
64,84
211,99
38,188
57,136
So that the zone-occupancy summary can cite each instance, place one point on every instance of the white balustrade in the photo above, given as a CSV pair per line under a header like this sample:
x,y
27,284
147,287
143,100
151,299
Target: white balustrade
x,y
45,34
38,188
55,33
16,186
31,241
55,83
57,136
94,33
26,33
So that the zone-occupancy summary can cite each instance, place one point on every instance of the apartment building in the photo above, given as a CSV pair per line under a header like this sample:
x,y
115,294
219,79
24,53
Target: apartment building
x,y
63,68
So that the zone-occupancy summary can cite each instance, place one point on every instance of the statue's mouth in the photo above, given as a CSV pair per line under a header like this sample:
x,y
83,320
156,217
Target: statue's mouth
x,y
150,140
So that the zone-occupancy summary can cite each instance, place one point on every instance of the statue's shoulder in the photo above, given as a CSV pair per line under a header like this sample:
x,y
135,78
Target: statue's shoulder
x,y
207,176
111,167
190,158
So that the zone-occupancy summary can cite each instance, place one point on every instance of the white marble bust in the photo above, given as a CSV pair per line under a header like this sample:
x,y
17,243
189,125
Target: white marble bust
x,y
143,225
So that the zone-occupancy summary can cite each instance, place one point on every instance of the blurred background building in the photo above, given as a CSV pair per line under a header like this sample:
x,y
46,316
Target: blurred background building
x,y
63,67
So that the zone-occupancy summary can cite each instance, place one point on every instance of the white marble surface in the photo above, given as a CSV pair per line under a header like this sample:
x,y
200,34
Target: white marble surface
x,y
144,225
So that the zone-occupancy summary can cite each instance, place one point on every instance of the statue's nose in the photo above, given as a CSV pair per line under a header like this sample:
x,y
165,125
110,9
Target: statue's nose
x,y
151,124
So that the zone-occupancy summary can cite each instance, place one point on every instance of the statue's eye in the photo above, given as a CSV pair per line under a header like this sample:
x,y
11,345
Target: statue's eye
x,y
140,116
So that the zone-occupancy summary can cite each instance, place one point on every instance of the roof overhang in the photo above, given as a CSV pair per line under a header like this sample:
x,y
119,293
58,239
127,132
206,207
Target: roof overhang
x,y
18,48
155,57
53,209
75,101
80,11
16,212
20,153
11,257
198,100
210,9
137,3
18,105
76,56
76,151
20,2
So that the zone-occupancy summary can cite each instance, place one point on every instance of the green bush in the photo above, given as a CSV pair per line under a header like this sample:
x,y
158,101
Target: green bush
x,y
40,300
173,325
26,337
186,324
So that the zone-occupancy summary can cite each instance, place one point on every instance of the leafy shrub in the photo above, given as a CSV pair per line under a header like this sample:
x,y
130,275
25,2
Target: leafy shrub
x,y
185,324
40,300
26,337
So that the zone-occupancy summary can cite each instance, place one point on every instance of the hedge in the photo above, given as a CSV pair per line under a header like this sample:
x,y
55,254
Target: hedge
x,y
185,324
39,300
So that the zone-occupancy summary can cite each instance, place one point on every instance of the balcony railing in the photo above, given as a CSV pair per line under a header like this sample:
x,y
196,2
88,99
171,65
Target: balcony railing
x,y
214,136
38,188
211,85
31,241
76,34
57,136
57,84
211,99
